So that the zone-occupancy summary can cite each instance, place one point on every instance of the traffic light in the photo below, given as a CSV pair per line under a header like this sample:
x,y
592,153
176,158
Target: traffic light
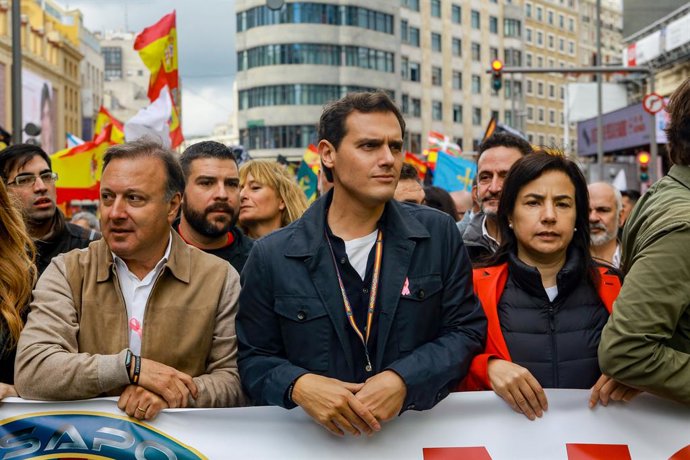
x,y
643,160
496,74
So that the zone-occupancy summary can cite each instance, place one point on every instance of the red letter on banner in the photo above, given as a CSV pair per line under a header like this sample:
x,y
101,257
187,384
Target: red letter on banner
x,y
683,454
456,453
598,452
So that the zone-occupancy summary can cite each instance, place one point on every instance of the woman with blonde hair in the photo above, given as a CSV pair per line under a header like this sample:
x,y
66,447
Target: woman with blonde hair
x,y
269,198
17,275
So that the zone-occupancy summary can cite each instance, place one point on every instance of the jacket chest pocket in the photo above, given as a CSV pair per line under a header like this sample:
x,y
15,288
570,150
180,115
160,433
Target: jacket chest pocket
x,y
306,330
418,316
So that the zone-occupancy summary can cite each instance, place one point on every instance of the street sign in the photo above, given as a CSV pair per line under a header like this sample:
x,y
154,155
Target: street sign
x,y
653,103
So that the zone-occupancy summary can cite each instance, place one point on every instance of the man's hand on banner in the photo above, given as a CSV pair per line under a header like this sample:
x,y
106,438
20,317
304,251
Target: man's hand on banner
x,y
518,387
140,403
167,382
606,389
6,391
384,395
333,404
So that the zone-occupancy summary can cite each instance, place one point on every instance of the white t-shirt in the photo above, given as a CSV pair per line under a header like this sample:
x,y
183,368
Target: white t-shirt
x,y
358,252
552,292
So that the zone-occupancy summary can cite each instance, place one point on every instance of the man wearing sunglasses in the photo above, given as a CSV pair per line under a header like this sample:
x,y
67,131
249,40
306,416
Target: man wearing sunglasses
x,y
26,170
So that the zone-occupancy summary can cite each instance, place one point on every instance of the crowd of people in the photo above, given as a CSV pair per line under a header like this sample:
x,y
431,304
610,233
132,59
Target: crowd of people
x,y
205,284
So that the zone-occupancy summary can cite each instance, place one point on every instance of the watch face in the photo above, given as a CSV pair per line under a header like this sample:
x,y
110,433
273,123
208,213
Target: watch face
x,y
275,4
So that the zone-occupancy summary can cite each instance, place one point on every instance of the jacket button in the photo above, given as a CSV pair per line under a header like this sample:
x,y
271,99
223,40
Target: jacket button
x,y
421,294
411,407
301,315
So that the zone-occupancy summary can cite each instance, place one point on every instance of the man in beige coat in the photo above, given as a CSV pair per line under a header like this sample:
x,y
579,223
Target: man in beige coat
x,y
138,314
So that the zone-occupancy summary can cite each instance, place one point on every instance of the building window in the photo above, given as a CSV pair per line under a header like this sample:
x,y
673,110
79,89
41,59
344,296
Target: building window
x,y
561,21
457,80
410,4
528,10
511,28
476,21
435,41
561,45
552,117
476,116
476,84
562,91
508,116
456,14
571,47
436,110
571,24
405,104
528,59
540,61
493,54
403,31
551,41
436,8
416,108
552,91
529,86
457,113
540,88
540,12
278,137
493,24
294,94
405,68
549,17
530,113
528,35
413,36
112,57
436,77
316,54
541,139
317,13
415,73
540,38
476,52
457,47
540,118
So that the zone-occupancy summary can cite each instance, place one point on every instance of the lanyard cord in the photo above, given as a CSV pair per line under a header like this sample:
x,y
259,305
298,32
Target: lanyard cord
x,y
372,294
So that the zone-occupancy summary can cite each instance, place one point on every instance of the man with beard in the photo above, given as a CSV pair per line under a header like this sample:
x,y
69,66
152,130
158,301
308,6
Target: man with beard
x,y
27,172
211,202
605,209
496,155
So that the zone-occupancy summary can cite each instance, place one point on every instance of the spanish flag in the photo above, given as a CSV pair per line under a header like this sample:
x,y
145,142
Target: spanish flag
x,y
103,119
419,164
157,47
79,170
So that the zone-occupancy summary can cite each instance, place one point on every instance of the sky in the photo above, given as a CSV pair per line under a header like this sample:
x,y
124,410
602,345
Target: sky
x,y
206,50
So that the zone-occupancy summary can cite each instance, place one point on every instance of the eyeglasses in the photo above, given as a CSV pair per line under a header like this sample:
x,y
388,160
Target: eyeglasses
x,y
28,180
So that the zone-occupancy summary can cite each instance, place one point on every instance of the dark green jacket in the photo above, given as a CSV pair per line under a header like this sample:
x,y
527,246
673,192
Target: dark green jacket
x,y
646,343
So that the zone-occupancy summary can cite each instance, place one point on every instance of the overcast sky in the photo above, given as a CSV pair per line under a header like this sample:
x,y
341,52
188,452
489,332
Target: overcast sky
x,y
205,35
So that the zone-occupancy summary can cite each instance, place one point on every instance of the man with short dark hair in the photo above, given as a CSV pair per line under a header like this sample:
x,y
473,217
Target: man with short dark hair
x,y
646,342
26,169
496,155
364,307
138,314
210,203
409,188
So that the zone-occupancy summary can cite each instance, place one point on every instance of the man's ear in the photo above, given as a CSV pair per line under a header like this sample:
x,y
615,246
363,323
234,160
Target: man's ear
x,y
327,153
174,207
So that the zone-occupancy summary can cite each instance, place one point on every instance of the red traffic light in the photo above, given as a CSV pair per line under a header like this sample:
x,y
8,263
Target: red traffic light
x,y
643,158
496,65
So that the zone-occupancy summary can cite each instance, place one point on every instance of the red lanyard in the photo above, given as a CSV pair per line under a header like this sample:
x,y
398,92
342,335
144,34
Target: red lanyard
x,y
372,294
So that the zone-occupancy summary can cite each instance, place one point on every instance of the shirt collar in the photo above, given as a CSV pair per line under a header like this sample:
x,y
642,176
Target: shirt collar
x,y
485,232
159,266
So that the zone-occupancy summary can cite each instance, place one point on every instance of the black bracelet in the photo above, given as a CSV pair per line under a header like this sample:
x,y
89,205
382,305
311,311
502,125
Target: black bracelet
x,y
137,370
128,364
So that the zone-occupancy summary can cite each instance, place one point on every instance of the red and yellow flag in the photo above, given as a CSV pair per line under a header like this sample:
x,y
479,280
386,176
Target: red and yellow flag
x,y
419,164
103,120
157,47
79,168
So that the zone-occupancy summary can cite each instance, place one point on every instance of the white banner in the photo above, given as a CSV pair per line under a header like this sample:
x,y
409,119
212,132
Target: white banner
x,y
678,33
475,425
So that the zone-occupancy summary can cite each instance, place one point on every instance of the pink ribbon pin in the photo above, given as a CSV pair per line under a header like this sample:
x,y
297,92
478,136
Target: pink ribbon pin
x,y
135,326
406,287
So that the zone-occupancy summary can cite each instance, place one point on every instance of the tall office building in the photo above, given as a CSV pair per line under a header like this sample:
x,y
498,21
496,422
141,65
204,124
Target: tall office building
x,y
430,55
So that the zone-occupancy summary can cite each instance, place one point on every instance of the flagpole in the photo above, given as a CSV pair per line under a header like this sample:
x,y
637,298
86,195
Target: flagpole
x,y
16,72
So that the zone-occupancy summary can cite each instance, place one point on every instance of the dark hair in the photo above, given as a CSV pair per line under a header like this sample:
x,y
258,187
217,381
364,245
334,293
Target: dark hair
x,y
678,128
332,123
527,169
438,198
148,148
505,140
17,155
633,195
409,172
205,149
